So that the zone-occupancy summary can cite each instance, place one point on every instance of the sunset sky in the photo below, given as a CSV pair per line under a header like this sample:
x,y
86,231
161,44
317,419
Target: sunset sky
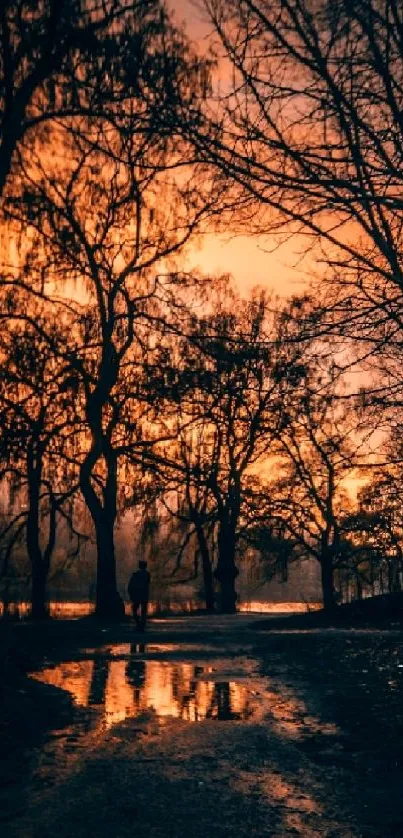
x,y
251,260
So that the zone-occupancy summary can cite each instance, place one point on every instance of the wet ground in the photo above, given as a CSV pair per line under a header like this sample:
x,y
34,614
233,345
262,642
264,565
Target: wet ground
x,y
207,727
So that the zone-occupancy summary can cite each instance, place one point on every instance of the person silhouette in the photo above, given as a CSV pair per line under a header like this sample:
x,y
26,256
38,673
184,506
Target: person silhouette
x,y
139,590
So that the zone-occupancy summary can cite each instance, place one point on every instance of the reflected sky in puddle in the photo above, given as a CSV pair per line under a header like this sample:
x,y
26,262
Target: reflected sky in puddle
x,y
125,681
122,682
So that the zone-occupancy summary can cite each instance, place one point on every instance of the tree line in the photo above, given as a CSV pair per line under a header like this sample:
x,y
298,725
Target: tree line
x,y
127,382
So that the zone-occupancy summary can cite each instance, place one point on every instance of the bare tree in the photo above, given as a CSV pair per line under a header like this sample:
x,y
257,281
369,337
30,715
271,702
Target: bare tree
x,y
321,446
313,134
373,534
235,377
180,474
59,59
98,234
36,451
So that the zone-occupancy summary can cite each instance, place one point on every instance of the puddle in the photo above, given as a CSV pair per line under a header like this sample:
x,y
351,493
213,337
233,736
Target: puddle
x,y
123,681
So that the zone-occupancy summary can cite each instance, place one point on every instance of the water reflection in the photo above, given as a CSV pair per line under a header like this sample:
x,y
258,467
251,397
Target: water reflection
x,y
131,686
99,681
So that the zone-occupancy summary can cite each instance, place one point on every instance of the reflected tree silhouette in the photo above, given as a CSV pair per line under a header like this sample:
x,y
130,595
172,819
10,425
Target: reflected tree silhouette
x,y
99,680
220,707
189,698
136,671
176,682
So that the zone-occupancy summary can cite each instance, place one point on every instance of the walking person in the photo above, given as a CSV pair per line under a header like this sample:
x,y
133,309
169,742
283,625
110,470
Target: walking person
x,y
139,591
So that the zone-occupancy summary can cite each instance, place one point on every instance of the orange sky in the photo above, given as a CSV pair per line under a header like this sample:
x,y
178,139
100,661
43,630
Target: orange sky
x,y
251,261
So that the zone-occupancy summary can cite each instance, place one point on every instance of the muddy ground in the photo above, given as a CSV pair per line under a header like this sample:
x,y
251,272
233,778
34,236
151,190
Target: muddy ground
x,y
202,727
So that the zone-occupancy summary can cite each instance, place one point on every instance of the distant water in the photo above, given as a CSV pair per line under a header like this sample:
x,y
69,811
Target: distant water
x,y
75,610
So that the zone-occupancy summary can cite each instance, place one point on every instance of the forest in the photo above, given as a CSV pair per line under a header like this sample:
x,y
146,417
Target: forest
x,y
244,430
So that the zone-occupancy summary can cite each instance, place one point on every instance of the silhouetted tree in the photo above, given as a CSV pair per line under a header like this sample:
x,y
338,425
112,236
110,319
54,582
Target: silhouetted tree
x,y
36,452
374,535
313,135
321,444
98,233
81,61
168,473
186,495
236,374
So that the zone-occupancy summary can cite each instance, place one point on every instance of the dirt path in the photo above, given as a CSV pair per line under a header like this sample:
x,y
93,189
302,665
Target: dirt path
x,y
209,728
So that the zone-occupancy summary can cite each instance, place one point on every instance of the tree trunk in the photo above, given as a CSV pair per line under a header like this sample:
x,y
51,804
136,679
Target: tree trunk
x,y
208,578
109,604
39,604
358,585
329,601
39,565
99,680
39,569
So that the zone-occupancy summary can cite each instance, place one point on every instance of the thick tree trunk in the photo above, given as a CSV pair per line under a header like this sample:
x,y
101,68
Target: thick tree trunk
x,y
102,500
208,578
329,601
39,570
228,595
39,604
39,563
109,604
358,586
